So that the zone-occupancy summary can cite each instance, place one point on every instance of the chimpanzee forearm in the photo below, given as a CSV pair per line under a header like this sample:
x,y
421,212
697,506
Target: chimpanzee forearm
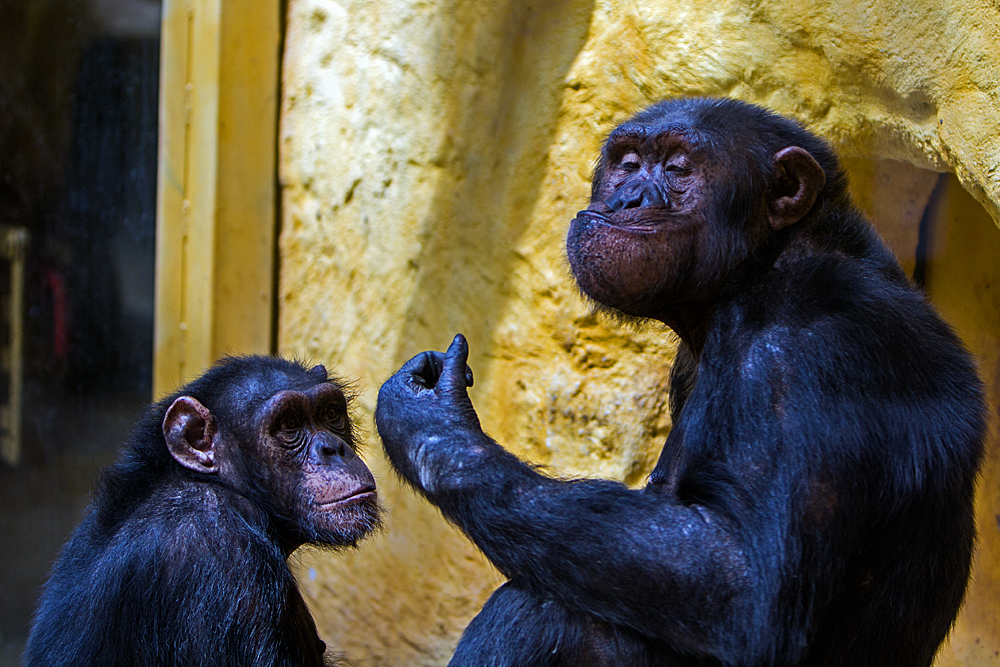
x,y
632,558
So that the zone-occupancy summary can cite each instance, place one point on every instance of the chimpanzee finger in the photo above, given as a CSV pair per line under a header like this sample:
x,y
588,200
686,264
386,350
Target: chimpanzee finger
x,y
455,365
425,368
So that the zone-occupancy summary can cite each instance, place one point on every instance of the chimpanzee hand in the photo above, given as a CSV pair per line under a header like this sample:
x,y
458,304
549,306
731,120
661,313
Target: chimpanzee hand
x,y
425,418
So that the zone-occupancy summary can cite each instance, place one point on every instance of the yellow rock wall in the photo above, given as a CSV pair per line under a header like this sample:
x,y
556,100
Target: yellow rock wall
x,y
432,153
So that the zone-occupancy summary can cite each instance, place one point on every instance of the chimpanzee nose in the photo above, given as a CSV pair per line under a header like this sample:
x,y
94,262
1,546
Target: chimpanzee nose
x,y
327,447
633,194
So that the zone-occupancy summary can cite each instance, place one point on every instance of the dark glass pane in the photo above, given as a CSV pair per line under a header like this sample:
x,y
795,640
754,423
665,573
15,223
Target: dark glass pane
x,y
78,140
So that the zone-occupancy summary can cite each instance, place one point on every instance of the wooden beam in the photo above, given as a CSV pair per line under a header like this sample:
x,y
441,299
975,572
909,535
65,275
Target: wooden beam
x,y
217,200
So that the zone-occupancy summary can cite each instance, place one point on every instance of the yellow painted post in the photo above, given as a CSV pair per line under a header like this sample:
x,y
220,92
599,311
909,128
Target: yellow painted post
x,y
216,207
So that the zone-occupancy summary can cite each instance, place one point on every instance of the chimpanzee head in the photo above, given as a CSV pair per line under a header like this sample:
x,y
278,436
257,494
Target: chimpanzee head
x,y
688,197
281,436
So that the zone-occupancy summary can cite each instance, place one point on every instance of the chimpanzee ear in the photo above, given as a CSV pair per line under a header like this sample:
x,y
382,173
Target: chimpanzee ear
x,y
798,180
318,372
189,429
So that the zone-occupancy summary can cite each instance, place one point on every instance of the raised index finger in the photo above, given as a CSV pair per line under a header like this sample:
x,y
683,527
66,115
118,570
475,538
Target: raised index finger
x,y
456,371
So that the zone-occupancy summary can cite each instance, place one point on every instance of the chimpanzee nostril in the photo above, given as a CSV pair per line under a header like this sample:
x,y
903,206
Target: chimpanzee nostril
x,y
651,196
638,192
326,446
629,195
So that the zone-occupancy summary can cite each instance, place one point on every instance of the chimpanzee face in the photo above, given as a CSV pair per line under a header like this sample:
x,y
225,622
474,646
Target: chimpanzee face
x,y
321,485
286,444
680,208
638,242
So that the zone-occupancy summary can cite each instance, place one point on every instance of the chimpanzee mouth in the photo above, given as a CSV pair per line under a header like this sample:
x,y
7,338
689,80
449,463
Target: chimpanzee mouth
x,y
358,496
633,219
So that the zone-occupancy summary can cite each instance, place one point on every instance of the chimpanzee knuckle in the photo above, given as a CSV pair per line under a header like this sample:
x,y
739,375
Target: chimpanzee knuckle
x,y
387,420
391,390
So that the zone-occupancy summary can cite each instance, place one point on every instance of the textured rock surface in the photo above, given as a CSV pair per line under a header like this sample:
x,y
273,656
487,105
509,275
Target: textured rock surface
x,y
432,154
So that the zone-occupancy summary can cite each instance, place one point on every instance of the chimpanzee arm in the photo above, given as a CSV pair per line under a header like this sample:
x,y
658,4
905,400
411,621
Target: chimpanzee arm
x,y
633,558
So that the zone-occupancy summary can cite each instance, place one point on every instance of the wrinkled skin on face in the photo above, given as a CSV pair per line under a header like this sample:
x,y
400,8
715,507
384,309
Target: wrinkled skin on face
x,y
300,463
675,219
638,241
306,436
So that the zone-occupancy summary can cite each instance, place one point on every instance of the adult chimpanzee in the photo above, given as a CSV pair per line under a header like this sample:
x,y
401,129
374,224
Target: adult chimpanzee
x,y
813,502
181,559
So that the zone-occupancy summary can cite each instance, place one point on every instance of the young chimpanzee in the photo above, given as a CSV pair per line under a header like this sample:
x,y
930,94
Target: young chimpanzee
x,y
181,558
813,504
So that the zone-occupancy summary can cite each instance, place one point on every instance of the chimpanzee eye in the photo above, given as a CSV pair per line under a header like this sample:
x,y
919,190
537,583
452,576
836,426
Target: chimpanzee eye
x,y
631,162
679,163
333,418
288,427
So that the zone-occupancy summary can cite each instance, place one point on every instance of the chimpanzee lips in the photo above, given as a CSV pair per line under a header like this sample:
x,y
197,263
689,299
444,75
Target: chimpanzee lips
x,y
358,495
645,217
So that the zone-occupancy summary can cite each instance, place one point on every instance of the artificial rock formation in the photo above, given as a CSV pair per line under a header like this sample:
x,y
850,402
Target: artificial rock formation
x,y
432,154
